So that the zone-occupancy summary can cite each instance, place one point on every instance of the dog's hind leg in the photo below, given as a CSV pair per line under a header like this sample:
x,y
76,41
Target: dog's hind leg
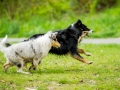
x,y
83,52
7,65
35,63
80,58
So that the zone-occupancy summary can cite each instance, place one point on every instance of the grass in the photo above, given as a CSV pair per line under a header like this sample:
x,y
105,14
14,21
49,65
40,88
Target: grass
x,y
65,73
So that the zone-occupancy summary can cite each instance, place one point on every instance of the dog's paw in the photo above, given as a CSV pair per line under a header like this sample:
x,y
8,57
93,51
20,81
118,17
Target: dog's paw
x,y
90,62
20,71
87,54
27,73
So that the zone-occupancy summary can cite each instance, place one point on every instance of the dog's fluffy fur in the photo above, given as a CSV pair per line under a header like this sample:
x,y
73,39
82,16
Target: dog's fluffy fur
x,y
33,50
69,39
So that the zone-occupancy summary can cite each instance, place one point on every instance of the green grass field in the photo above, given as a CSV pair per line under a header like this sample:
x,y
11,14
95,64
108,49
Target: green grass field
x,y
65,73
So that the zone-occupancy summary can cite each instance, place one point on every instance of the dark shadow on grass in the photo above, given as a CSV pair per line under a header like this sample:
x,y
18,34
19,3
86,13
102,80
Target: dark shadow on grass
x,y
56,71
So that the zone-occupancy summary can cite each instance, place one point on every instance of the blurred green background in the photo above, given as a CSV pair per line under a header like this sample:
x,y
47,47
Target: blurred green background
x,y
23,18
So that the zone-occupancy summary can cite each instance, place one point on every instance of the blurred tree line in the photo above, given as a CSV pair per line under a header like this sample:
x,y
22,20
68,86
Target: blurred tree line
x,y
24,9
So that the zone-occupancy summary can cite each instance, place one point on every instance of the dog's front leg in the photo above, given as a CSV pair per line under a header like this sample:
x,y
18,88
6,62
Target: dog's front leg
x,y
33,67
34,64
83,52
20,67
80,58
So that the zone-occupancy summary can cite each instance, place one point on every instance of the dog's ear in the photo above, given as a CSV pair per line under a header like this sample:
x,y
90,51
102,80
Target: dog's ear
x,y
53,36
50,34
78,23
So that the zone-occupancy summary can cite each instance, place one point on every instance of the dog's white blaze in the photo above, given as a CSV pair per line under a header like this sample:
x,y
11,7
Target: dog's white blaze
x,y
72,25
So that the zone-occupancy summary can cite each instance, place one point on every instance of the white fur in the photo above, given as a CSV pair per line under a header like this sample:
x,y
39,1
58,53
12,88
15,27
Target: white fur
x,y
91,31
35,50
72,25
2,43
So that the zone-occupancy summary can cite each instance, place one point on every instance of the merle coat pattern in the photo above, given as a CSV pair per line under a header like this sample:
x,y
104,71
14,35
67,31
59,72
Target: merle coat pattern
x,y
32,50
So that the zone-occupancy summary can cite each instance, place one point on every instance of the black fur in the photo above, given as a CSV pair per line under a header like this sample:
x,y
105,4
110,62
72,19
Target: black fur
x,y
67,38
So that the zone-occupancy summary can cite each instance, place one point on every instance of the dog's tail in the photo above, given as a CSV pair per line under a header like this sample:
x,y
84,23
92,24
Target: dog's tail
x,y
2,43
